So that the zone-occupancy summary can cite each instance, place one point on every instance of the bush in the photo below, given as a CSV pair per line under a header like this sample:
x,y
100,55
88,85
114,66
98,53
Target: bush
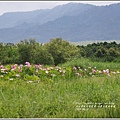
x,y
61,50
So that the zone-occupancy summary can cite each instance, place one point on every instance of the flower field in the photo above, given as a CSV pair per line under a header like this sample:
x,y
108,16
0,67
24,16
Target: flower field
x,y
63,91
37,73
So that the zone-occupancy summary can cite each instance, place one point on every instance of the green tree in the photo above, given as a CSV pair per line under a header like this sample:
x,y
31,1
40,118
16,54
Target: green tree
x,y
26,49
42,56
61,50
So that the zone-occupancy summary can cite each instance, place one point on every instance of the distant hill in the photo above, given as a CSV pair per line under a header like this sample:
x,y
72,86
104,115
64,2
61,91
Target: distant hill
x,y
73,21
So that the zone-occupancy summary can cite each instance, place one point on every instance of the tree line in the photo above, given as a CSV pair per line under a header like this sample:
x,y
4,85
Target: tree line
x,y
101,51
57,51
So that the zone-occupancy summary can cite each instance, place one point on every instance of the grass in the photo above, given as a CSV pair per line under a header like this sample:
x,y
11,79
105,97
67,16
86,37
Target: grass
x,y
62,97
84,63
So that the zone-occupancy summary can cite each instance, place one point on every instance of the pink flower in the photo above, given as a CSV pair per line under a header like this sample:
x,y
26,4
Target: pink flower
x,y
93,71
1,66
79,74
36,70
20,70
74,68
17,75
107,72
28,64
63,74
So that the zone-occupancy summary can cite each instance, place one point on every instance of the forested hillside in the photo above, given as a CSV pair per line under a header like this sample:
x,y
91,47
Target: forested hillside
x,y
74,22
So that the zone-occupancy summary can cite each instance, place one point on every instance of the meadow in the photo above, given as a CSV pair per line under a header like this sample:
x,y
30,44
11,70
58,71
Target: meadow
x,y
76,89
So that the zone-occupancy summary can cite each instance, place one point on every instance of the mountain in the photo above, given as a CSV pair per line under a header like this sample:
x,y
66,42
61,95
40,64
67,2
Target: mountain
x,y
73,22
41,16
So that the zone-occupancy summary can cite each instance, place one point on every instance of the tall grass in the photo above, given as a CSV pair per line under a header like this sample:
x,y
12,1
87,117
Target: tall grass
x,y
62,98
84,63
59,99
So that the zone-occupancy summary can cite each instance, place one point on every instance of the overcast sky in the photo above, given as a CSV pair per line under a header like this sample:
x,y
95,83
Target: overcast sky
x,y
12,6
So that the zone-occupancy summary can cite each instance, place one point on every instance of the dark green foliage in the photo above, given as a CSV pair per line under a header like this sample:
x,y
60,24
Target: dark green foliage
x,y
55,52
8,53
43,57
101,51
34,53
61,50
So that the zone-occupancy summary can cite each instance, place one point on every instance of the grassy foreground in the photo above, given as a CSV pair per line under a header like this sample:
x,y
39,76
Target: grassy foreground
x,y
73,97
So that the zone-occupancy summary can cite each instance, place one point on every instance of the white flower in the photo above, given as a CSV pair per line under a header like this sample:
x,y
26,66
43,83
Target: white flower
x,y
29,81
118,72
10,78
53,75
46,72
1,76
113,72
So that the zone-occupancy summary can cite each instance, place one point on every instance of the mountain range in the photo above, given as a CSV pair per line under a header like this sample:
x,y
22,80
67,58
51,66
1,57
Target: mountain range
x,y
73,22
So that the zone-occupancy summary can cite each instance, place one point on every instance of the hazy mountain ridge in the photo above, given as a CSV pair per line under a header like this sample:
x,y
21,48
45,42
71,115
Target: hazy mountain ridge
x,y
73,22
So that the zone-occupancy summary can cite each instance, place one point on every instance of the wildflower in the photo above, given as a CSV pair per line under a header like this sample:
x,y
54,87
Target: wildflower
x,y
99,71
2,70
28,64
90,73
17,75
20,67
79,68
64,71
79,74
107,71
53,75
63,74
113,72
1,76
118,72
74,68
1,66
6,69
15,65
60,71
104,71
20,70
51,68
10,78
46,72
93,71
37,81
29,81
48,69
36,70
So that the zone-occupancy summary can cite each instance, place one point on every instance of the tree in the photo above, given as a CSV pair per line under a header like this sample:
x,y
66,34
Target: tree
x,y
26,50
42,56
61,50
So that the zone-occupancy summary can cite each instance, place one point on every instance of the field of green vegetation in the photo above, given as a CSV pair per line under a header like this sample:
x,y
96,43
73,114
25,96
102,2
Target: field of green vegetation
x,y
79,88
59,80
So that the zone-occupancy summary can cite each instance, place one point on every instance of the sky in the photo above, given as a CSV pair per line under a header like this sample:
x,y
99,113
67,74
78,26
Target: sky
x,y
12,6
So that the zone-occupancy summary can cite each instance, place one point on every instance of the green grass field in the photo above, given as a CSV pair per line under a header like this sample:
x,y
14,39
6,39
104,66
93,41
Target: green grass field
x,y
96,96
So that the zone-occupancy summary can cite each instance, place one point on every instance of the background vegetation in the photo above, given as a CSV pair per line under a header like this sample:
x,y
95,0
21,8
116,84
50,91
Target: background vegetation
x,y
57,51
